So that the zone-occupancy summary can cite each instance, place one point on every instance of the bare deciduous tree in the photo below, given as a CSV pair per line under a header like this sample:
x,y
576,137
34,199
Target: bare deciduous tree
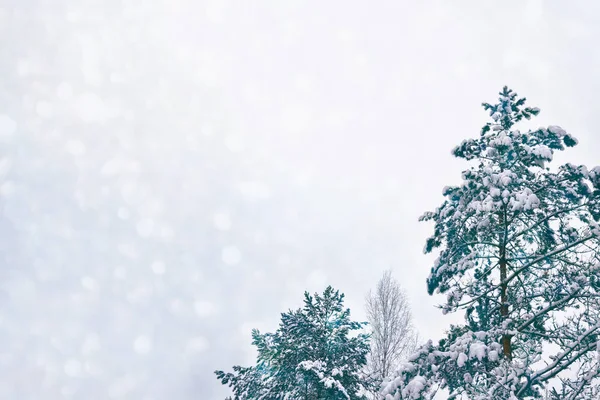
x,y
393,335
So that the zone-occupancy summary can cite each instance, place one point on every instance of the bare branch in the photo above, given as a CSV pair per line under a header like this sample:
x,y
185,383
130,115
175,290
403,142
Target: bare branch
x,y
393,335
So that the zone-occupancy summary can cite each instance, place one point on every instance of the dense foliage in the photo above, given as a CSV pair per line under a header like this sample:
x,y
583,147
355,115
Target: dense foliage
x,y
314,355
519,255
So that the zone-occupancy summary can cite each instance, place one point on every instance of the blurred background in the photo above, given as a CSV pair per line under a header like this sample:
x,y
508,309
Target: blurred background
x,y
174,173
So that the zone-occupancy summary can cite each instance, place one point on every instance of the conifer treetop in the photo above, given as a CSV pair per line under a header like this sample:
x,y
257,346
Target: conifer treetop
x,y
519,256
311,356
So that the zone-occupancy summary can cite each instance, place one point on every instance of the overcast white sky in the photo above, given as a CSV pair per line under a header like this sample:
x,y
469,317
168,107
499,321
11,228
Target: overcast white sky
x,y
174,173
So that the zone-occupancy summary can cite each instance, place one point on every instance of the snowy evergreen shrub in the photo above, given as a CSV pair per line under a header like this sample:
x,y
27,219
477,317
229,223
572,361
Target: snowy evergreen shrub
x,y
314,355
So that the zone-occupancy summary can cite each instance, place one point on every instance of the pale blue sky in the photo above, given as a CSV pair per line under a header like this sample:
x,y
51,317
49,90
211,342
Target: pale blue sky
x,y
174,173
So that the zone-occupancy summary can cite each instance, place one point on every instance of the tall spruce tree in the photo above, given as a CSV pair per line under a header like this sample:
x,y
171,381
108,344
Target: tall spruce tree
x,y
312,356
519,255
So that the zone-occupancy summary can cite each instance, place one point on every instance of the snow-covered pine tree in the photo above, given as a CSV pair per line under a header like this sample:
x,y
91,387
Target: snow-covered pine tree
x,y
519,255
313,355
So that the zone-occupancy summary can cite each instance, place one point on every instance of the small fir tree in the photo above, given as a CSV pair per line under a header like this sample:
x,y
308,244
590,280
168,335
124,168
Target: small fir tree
x,y
312,356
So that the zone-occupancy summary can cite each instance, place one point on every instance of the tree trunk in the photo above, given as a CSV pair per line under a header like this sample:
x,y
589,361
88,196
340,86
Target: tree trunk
x,y
506,346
